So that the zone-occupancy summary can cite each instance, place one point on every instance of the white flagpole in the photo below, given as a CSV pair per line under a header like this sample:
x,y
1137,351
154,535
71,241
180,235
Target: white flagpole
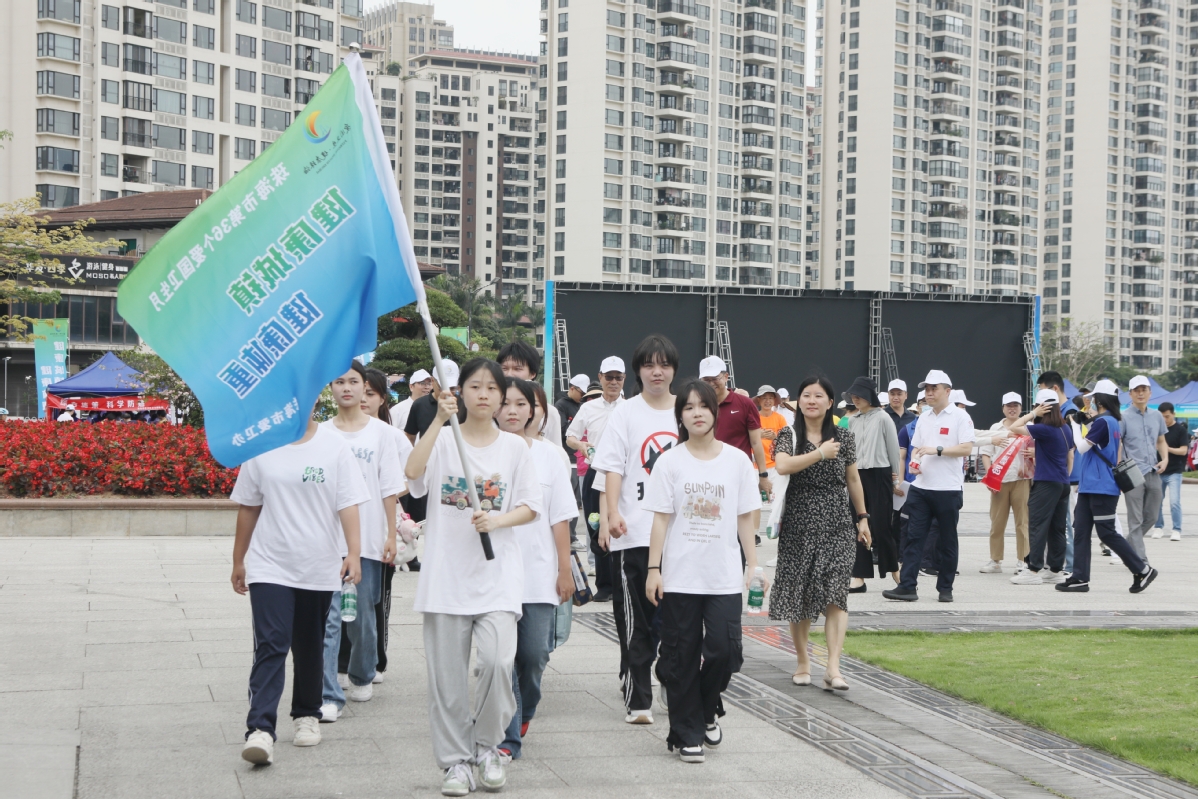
x,y
471,489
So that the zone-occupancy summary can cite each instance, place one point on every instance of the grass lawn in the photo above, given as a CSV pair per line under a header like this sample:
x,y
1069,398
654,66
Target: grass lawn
x,y
1133,693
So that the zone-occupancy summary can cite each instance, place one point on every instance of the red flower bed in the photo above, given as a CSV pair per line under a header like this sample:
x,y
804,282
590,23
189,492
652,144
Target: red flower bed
x,y
45,459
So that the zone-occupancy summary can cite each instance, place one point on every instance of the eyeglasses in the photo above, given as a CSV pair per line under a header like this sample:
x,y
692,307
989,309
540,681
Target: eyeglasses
x,y
614,377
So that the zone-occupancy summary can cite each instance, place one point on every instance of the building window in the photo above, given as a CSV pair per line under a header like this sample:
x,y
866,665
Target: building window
x,y
243,149
201,177
202,107
201,142
247,47
245,115
611,264
203,72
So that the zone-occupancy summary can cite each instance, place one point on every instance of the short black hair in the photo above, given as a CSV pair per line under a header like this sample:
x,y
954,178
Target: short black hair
x,y
650,349
707,399
1166,406
521,352
467,371
1051,380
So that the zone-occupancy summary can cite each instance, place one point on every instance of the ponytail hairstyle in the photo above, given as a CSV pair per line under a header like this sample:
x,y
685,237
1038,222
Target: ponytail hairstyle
x,y
377,382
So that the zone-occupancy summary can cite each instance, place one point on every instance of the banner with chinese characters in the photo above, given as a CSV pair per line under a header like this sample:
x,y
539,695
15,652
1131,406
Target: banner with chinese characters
x,y
266,291
49,356
88,404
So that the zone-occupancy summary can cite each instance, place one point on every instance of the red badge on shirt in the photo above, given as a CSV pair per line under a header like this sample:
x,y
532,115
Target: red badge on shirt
x,y
944,431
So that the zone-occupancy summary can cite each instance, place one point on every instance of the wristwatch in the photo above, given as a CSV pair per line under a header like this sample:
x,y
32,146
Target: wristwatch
x,y
940,451
763,474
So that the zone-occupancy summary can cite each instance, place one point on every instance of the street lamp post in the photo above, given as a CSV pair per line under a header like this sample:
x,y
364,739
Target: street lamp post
x,y
6,360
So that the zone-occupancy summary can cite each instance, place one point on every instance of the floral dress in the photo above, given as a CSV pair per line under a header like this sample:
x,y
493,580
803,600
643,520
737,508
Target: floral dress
x,y
817,536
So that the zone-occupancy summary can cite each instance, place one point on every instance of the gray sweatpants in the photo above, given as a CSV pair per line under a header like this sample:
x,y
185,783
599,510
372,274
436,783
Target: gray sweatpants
x,y
458,733
1143,508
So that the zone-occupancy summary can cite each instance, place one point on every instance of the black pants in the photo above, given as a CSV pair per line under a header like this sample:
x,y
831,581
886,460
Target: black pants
x,y
1098,511
416,507
931,541
1047,509
636,625
382,613
603,560
878,487
701,648
285,619
922,508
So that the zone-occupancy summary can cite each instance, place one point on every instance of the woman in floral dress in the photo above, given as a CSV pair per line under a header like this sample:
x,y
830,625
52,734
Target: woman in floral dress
x,y
819,528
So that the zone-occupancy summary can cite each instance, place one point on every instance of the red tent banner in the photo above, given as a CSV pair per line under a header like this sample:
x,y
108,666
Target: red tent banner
x,y
130,403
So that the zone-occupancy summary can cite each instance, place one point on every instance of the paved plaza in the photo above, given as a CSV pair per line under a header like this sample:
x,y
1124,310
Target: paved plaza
x,y
124,661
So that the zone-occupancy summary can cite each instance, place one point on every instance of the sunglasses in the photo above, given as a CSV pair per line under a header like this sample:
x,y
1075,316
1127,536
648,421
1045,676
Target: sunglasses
x,y
614,377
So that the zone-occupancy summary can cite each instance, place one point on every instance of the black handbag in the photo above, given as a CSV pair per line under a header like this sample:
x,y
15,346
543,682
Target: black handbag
x,y
1127,474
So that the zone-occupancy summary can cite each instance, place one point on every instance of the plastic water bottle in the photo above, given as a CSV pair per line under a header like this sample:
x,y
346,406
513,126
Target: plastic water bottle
x,y
757,591
593,521
771,532
349,601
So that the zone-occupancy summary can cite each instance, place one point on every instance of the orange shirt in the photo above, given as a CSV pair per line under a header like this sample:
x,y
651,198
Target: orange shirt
x,y
775,421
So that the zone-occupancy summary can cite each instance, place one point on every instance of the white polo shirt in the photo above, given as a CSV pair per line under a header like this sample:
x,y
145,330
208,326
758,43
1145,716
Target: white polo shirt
x,y
948,428
591,420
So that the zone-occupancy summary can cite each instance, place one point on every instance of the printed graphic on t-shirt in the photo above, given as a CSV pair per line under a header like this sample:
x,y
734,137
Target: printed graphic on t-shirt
x,y
313,474
702,510
362,453
491,492
654,445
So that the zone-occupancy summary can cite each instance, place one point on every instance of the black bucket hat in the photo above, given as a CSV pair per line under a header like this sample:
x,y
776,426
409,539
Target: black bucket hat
x,y
865,388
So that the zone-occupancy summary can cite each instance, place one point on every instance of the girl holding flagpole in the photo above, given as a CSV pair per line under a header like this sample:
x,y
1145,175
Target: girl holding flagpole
x,y
467,600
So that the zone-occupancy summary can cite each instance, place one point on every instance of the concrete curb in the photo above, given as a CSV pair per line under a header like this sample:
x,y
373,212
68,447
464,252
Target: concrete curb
x,y
117,517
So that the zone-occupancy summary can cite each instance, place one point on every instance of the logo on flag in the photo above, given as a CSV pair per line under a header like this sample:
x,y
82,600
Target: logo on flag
x,y
311,131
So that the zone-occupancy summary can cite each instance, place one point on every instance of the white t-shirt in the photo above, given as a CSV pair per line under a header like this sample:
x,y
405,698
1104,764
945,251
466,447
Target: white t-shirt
x,y
455,576
298,540
702,550
374,448
788,415
399,414
948,428
403,448
536,538
591,420
635,436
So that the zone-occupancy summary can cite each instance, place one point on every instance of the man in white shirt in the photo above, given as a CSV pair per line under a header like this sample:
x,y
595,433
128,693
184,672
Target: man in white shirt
x,y
589,424
783,408
420,384
942,439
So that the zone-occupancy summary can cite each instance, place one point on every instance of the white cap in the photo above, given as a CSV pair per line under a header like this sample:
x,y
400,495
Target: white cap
x,y
611,363
1046,396
1106,387
957,396
920,396
712,366
1013,396
1137,381
936,377
842,404
883,399
783,393
420,376
580,382
901,385
451,372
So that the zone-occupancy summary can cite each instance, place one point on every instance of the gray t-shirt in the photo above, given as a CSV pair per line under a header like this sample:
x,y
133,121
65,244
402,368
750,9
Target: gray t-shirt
x,y
1140,431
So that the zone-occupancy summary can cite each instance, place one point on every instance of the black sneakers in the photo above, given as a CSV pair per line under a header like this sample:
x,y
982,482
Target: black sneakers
x,y
946,596
900,595
1076,586
1142,581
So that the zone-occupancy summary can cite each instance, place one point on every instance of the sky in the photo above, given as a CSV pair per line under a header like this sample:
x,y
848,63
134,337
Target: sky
x,y
510,26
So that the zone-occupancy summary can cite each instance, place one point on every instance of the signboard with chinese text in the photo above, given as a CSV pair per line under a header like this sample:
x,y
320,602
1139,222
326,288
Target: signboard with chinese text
x,y
82,270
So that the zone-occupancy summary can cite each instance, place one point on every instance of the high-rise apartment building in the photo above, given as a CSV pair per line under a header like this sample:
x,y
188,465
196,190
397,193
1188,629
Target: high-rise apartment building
x,y
931,128
468,177
1119,250
106,100
403,30
675,140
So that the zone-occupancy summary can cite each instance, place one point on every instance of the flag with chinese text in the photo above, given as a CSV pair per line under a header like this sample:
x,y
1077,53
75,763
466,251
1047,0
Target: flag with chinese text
x,y
266,291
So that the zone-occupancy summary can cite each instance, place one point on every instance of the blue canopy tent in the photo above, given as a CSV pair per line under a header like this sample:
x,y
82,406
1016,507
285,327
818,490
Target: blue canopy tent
x,y
1071,390
1186,395
107,377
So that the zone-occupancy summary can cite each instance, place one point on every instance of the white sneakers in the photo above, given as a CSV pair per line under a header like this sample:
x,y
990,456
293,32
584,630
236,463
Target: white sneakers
x,y
259,748
639,717
1176,536
359,693
329,713
307,731
458,781
492,774
1158,532
1049,577
343,680
1025,576
992,567
378,678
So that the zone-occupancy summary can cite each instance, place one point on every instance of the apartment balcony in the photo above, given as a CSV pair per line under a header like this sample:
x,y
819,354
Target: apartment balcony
x,y
758,50
946,272
680,82
756,185
945,48
670,153
1150,20
675,107
949,108
1008,63
137,140
1007,121
1157,5
1153,41
671,177
1008,41
1005,239
757,163
133,174
679,10
949,69
948,210
757,117
670,222
672,198
1008,141
675,130
1005,219
1011,83
953,6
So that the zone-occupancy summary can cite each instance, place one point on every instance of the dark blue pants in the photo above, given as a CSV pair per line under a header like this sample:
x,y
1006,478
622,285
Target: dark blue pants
x,y
285,619
922,508
1096,512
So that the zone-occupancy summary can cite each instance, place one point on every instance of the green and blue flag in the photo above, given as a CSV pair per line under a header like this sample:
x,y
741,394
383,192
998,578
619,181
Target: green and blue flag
x,y
266,291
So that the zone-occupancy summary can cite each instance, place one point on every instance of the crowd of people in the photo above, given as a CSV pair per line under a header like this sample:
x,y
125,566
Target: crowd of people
x,y
157,416
672,488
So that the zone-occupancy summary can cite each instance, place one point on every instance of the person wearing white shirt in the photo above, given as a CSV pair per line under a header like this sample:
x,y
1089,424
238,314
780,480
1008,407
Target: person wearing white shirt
x,y
784,407
637,434
420,384
585,433
469,602
545,545
703,494
371,442
942,439
297,538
